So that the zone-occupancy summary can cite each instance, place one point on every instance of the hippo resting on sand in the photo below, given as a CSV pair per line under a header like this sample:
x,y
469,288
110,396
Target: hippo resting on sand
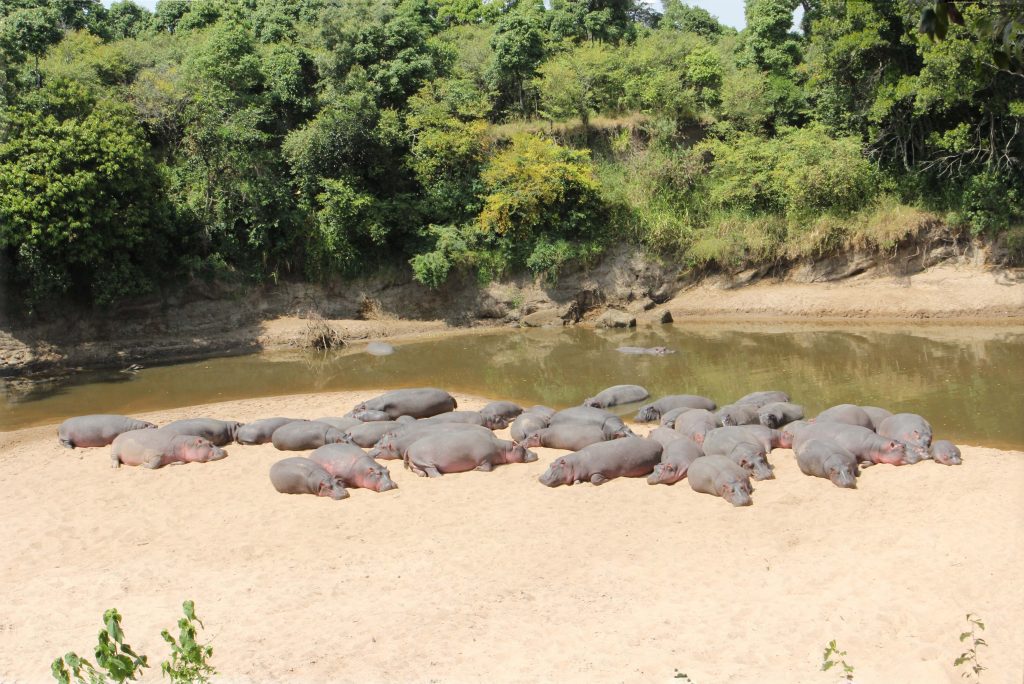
x,y
652,351
695,424
219,432
157,448
368,434
571,436
339,422
743,447
350,464
825,458
868,447
911,429
465,417
436,455
676,458
260,431
877,415
531,420
850,414
422,402
611,424
300,435
778,413
394,443
599,463
653,411
718,476
738,414
945,452
617,394
498,414
759,399
96,430
668,419
299,475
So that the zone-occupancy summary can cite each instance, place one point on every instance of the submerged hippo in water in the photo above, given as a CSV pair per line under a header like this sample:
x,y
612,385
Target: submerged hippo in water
x,y
97,430
219,432
421,402
651,351
350,464
379,349
827,459
617,394
654,410
719,476
436,455
157,448
299,475
605,461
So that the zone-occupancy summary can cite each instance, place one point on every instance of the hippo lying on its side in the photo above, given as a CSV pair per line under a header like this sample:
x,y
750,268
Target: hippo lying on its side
x,y
617,394
911,429
759,399
299,475
676,458
742,447
849,414
868,447
219,432
96,430
350,465
654,410
157,448
465,417
696,424
599,463
394,443
877,415
498,414
611,424
422,402
571,436
945,452
436,455
652,351
368,434
531,420
260,431
825,458
737,414
778,413
300,435
718,476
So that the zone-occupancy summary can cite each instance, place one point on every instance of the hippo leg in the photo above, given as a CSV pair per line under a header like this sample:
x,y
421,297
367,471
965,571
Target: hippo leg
x,y
115,462
153,463
416,469
598,479
486,467
430,471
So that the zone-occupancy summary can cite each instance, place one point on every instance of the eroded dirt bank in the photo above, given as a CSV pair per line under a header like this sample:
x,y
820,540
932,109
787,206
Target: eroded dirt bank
x,y
933,280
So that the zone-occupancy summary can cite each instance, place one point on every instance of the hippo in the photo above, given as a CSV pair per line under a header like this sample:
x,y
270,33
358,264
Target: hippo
x,y
368,434
369,416
97,430
850,414
571,436
759,399
299,475
653,411
611,424
651,351
300,435
422,402
664,436
868,447
393,443
158,448
499,414
436,455
778,413
598,463
339,422
877,415
825,458
719,476
669,419
945,452
352,467
379,349
737,414
742,447
260,431
617,394
219,432
676,458
911,429
467,417
768,437
531,420
695,424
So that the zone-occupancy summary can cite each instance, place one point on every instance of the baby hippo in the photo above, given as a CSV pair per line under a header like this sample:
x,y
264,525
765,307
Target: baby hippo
x,y
219,432
459,452
299,475
300,435
260,431
96,430
604,461
676,458
156,449
352,467
825,458
571,436
946,453
718,476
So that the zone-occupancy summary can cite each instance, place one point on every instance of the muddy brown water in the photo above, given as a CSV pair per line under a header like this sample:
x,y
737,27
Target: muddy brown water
x,y
967,380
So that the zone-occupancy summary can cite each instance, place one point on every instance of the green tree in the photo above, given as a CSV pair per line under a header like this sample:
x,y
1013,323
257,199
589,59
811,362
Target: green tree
x,y
518,49
580,81
685,18
125,19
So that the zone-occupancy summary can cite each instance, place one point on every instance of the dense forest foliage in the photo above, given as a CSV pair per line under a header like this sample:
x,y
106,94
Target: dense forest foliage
x,y
261,139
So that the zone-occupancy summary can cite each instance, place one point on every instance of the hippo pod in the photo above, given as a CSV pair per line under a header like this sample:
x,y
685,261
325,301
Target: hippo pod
x,y
599,463
260,431
719,476
617,394
436,455
158,448
655,410
827,459
351,466
743,447
300,435
219,432
299,475
421,402
96,430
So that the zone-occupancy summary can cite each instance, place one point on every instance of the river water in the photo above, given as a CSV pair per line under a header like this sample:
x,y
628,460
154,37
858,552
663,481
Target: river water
x,y
966,380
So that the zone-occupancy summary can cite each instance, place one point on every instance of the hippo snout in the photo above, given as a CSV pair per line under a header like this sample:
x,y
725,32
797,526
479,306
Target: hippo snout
x,y
763,471
387,484
844,478
738,496
216,453
529,457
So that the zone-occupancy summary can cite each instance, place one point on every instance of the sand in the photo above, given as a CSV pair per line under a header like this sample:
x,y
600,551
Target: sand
x,y
491,577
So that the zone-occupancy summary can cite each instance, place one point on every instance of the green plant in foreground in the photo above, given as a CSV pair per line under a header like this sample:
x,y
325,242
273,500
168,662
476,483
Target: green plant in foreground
x,y
189,661
114,658
827,661
970,656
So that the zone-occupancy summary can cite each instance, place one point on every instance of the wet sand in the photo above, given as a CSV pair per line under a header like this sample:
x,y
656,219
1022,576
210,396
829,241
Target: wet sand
x,y
491,577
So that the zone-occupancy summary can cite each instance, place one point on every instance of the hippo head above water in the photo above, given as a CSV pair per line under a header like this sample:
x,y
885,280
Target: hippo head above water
x,y
753,459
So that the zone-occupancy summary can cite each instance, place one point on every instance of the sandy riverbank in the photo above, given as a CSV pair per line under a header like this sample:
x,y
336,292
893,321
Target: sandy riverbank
x,y
493,577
